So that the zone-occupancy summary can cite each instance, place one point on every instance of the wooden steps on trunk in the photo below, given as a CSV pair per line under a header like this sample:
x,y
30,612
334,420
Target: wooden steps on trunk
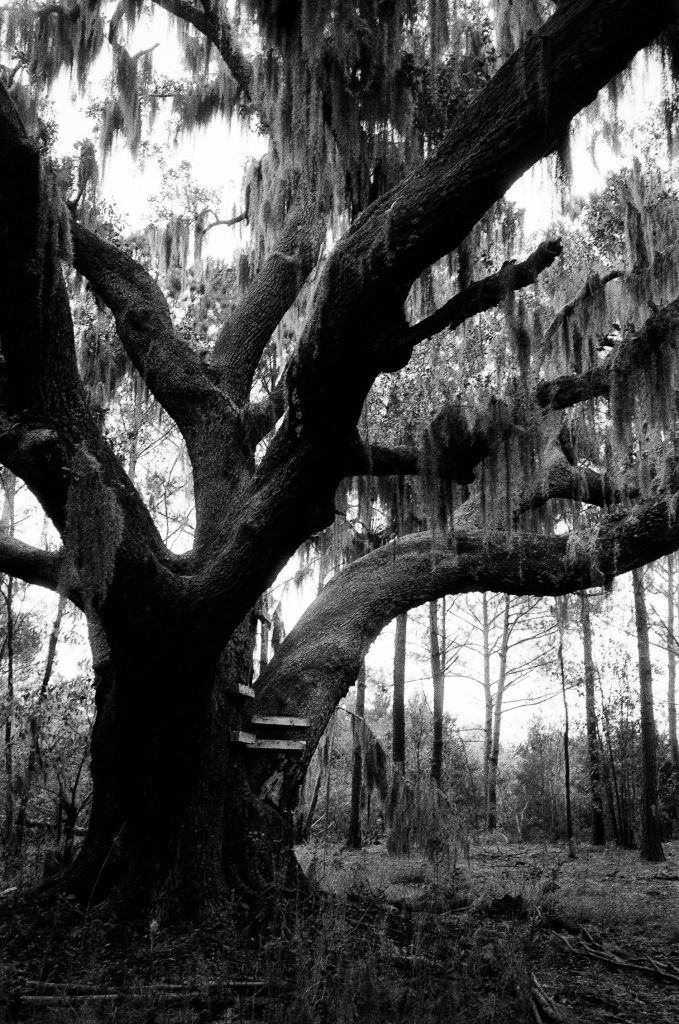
x,y
253,742
268,733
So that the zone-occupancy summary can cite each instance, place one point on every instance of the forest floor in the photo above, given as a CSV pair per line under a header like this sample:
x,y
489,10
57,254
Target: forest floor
x,y
497,932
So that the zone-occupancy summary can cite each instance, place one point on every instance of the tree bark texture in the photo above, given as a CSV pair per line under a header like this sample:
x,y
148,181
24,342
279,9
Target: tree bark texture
x,y
497,718
488,705
354,833
672,596
398,725
593,757
651,832
437,640
566,749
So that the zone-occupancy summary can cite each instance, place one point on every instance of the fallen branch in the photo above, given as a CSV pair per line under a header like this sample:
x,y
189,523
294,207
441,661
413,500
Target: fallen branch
x,y
646,965
543,1007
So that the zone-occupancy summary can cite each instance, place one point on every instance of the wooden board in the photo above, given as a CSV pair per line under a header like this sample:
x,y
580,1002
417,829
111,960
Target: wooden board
x,y
282,721
246,691
280,745
248,738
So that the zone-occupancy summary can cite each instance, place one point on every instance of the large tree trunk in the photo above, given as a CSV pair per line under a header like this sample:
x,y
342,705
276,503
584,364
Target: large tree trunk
x,y
174,825
596,801
651,834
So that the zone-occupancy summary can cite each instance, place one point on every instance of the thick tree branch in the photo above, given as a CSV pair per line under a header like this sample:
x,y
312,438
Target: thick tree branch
x,y
320,658
381,460
486,294
47,433
244,336
517,119
632,351
211,21
174,373
594,284
29,563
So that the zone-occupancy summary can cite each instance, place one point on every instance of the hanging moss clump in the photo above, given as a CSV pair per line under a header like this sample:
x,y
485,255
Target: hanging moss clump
x,y
93,532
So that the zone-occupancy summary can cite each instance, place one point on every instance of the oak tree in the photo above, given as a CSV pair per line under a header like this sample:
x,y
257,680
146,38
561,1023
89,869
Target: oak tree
x,y
399,126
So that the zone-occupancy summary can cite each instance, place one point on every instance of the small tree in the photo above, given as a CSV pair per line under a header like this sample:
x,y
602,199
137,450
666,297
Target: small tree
x,y
651,831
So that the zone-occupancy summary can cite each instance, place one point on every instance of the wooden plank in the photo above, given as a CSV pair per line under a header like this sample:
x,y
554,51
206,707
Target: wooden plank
x,y
246,691
248,738
262,744
284,721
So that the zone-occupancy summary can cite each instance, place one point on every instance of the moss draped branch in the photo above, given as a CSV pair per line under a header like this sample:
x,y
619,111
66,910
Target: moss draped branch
x,y
320,658
487,293
245,334
173,372
214,25
357,328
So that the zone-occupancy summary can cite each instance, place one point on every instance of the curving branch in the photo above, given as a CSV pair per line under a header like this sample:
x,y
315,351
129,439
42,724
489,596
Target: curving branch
x,y
517,119
174,373
320,658
486,294
211,22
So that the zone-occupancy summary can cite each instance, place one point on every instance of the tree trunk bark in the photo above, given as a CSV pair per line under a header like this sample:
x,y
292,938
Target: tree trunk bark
x,y
494,758
354,833
672,678
488,700
651,835
596,801
438,673
398,841
175,827
398,707
566,750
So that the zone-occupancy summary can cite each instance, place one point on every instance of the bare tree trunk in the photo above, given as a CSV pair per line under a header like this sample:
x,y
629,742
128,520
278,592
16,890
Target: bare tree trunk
x,y
264,631
398,841
34,728
497,719
651,845
137,420
328,770
598,828
438,672
488,698
672,673
566,744
354,834
398,708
